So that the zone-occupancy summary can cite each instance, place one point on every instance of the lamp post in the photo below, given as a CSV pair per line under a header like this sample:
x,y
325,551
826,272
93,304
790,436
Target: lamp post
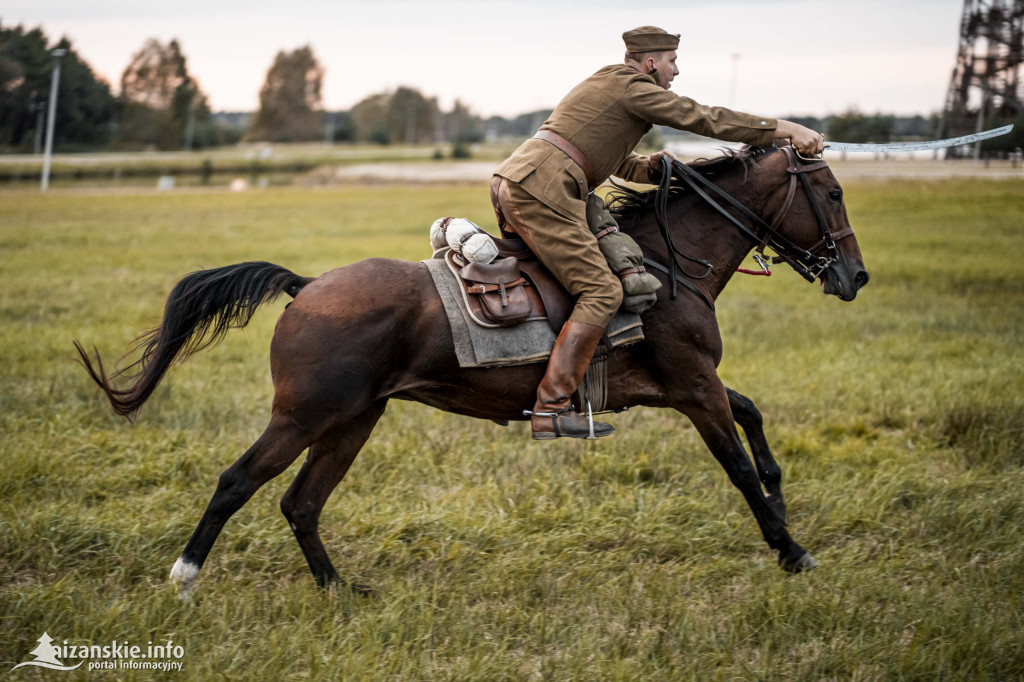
x,y
38,107
51,115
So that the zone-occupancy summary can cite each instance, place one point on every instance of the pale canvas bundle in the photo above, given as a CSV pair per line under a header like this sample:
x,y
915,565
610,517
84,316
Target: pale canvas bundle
x,y
464,237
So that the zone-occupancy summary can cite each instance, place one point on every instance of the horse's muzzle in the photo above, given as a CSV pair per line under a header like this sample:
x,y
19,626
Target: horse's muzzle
x,y
838,281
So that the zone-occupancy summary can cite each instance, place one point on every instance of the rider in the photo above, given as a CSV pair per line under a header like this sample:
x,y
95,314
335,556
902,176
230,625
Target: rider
x,y
540,194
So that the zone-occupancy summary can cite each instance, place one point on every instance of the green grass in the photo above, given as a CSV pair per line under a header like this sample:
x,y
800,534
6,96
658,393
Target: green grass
x,y
898,420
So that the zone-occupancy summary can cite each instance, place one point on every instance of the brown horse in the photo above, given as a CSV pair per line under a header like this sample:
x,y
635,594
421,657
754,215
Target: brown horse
x,y
359,336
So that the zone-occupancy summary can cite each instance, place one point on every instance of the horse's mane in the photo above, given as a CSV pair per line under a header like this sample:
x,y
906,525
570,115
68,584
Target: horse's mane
x,y
627,204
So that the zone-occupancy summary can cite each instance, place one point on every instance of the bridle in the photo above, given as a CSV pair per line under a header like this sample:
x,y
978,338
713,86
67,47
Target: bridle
x,y
810,263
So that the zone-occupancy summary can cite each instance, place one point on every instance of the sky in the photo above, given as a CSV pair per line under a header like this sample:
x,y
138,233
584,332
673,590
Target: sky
x,y
772,58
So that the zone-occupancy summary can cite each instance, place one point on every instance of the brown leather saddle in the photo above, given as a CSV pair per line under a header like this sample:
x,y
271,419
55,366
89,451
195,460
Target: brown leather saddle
x,y
514,288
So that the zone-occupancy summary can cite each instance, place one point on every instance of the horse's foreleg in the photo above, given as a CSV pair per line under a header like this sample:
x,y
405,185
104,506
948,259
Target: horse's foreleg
x,y
710,413
748,417
271,454
329,459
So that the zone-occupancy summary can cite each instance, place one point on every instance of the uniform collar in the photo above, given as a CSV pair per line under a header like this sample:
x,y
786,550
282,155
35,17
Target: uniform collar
x,y
649,75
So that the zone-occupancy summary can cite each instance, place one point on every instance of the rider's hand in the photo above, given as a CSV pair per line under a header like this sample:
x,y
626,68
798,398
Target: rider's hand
x,y
654,162
804,140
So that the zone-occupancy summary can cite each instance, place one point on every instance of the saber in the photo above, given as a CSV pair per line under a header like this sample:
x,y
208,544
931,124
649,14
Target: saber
x,y
917,146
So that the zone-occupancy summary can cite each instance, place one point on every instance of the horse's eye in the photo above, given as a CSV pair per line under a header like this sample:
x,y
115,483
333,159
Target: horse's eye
x,y
836,195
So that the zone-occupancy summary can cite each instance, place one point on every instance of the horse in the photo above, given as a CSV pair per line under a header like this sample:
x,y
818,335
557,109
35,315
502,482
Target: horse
x,y
373,331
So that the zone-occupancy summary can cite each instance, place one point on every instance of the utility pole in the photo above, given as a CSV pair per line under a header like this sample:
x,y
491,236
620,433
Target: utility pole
x,y
56,54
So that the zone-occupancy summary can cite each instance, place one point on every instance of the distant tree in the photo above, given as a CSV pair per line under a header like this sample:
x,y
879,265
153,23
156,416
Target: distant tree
x,y
914,126
290,101
523,125
404,116
369,119
159,97
412,117
461,125
812,122
341,125
86,108
853,126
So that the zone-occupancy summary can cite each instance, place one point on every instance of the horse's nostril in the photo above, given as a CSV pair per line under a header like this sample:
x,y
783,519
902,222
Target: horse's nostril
x,y
861,279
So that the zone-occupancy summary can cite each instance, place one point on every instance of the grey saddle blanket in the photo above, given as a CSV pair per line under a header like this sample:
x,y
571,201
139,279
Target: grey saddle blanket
x,y
522,344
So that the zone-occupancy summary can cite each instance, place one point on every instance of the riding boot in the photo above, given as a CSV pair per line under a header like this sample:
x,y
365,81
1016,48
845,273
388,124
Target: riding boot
x,y
553,414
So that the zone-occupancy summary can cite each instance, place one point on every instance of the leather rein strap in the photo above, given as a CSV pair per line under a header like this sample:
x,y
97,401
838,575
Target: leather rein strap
x,y
570,150
788,251
805,261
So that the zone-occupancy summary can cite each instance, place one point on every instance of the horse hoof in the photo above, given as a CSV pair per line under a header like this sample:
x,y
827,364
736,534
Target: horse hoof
x,y
805,563
183,576
336,586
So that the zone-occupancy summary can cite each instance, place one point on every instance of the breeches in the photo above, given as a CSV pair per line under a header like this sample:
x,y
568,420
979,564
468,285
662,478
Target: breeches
x,y
565,246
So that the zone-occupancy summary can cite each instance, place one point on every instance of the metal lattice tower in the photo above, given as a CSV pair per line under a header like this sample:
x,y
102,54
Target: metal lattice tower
x,y
986,79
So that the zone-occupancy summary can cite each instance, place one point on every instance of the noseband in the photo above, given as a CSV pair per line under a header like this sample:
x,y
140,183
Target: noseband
x,y
810,263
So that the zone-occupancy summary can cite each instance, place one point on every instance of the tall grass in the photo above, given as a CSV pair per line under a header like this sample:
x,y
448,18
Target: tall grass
x,y
897,419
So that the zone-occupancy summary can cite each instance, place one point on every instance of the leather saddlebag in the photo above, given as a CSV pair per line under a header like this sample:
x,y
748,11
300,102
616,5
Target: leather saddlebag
x,y
499,289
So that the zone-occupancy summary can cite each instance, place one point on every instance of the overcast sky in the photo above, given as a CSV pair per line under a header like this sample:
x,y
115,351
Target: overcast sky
x,y
507,57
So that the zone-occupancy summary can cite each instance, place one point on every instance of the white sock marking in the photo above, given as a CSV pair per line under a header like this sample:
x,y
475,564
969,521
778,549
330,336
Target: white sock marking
x,y
184,574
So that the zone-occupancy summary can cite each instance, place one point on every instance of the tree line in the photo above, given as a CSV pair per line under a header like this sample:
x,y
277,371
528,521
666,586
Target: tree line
x,y
161,106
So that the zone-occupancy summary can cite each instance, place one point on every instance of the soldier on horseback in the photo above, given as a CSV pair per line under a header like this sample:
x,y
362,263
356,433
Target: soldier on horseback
x,y
540,193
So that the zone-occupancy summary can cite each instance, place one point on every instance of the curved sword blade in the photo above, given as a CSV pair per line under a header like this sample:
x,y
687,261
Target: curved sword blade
x,y
916,146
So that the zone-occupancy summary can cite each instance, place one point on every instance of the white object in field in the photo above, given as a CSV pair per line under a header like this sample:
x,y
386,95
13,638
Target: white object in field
x,y
480,248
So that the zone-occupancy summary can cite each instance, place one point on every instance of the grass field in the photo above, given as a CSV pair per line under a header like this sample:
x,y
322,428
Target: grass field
x,y
898,420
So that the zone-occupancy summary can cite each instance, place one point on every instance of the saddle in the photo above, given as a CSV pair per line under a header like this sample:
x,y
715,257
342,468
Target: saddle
x,y
514,288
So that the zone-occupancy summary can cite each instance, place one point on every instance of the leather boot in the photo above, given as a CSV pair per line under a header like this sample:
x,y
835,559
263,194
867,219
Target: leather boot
x,y
554,416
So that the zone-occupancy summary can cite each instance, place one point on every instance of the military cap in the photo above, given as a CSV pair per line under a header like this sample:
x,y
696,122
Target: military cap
x,y
650,39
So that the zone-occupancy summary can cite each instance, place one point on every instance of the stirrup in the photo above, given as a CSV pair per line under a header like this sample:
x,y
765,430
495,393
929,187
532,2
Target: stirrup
x,y
590,421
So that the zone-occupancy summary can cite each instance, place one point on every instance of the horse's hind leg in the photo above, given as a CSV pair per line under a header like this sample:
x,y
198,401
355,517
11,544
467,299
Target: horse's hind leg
x,y
329,459
748,417
272,453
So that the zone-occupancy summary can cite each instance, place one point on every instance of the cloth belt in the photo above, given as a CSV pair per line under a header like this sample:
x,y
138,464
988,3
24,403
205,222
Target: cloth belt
x,y
570,150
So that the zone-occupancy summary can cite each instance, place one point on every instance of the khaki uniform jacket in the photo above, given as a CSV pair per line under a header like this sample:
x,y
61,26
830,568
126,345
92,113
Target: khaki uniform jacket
x,y
605,117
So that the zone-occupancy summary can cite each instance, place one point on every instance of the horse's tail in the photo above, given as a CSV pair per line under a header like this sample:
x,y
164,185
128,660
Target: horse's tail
x,y
200,310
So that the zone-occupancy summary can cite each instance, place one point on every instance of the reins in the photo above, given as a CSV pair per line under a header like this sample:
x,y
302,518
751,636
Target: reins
x,y
661,216
805,261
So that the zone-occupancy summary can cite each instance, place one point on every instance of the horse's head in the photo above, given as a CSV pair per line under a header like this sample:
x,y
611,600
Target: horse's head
x,y
808,211
790,205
